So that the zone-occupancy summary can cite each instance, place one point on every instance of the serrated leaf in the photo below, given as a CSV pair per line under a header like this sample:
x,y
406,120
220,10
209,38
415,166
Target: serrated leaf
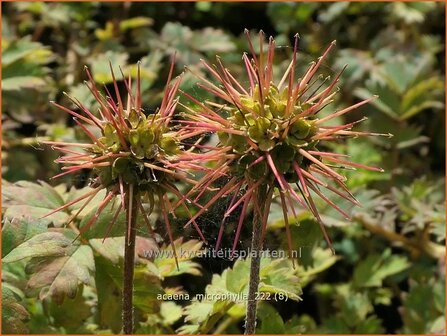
x,y
149,67
213,40
38,200
375,268
34,200
112,248
356,306
61,276
277,276
22,48
71,313
109,297
235,279
420,310
41,194
411,13
186,251
370,325
188,329
191,44
398,75
368,154
58,264
146,279
322,259
18,230
198,311
418,93
83,94
271,321
421,107
147,284
101,227
14,315
170,312
387,102
46,244
101,68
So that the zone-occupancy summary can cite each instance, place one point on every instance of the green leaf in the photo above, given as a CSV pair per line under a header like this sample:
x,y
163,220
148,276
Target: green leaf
x,y
375,268
188,329
112,248
438,326
27,199
334,325
22,82
417,94
72,313
186,251
102,223
212,40
24,75
170,312
101,68
58,264
83,94
421,107
191,44
355,307
271,321
61,275
146,279
18,230
306,233
411,13
46,244
149,67
25,50
420,309
399,75
368,154
11,286
304,324
388,102
106,33
147,285
135,22
109,297
322,259
34,194
276,221
278,277
14,315
370,325
235,279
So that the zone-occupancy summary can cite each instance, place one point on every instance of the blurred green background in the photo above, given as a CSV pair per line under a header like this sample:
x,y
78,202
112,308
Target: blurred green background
x,y
389,270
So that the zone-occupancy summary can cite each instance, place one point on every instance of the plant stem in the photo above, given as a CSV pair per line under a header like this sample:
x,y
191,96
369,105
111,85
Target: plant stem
x,y
256,247
224,325
416,246
129,260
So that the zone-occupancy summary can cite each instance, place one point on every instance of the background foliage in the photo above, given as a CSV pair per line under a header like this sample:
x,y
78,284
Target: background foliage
x,y
388,274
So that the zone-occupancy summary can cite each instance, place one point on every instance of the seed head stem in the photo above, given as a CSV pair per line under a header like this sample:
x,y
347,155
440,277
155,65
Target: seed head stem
x,y
256,247
129,259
